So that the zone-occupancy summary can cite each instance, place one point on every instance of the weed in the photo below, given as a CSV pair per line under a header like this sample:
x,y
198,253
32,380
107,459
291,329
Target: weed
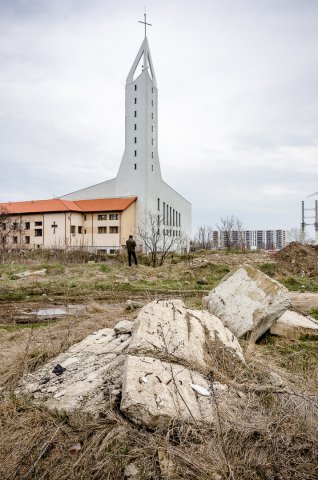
x,y
268,269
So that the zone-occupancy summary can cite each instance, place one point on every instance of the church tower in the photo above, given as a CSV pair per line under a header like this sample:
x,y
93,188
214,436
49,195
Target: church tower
x,y
139,170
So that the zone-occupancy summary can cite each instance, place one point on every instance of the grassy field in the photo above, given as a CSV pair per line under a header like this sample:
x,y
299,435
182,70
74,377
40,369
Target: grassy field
x,y
274,438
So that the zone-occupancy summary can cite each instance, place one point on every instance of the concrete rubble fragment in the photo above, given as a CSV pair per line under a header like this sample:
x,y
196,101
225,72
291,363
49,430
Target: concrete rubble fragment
x,y
29,273
92,376
170,331
171,350
294,325
248,302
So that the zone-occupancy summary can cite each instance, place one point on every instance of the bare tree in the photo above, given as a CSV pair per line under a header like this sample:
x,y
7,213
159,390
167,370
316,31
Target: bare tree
x,y
158,239
296,234
232,232
204,237
11,228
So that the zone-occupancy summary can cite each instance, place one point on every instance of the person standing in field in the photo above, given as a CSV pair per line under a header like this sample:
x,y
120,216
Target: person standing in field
x,y
131,247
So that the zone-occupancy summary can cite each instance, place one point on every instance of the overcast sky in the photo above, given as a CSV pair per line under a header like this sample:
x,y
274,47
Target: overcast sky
x,y
238,100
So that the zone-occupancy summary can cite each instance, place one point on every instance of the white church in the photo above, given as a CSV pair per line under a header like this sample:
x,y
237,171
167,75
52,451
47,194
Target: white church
x,y
139,173
100,217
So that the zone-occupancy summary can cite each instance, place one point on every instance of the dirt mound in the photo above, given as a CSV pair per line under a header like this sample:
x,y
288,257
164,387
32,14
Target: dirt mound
x,y
298,259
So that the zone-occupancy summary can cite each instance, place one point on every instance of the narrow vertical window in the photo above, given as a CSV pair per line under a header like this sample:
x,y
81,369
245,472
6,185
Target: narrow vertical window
x,y
135,113
135,153
173,218
135,87
167,214
170,216
152,128
152,141
152,115
152,90
135,100
135,166
159,204
152,103
151,154
135,126
135,139
179,219
152,168
164,212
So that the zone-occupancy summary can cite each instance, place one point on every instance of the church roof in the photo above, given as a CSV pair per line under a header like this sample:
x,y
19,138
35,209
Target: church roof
x,y
59,205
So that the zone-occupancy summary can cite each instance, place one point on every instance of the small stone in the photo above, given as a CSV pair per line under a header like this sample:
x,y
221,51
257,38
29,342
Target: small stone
x,y
132,305
160,275
202,281
124,326
132,472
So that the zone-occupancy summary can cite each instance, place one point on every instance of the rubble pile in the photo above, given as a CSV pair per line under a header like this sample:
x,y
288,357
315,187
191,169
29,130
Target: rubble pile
x,y
298,259
160,367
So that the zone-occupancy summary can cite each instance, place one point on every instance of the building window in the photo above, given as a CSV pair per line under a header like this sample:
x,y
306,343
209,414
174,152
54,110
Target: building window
x,y
27,239
158,204
79,229
151,89
15,239
38,232
113,216
38,224
152,141
135,126
152,103
135,166
152,168
152,116
113,251
170,217
152,128
73,231
179,219
113,229
164,212
173,217
102,230
135,100
135,113
135,87
84,217
151,154
27,225
135,153
135,139
102,217
167,214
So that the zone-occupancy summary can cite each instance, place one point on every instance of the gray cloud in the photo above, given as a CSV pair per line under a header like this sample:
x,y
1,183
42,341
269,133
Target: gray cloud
x,y
237,107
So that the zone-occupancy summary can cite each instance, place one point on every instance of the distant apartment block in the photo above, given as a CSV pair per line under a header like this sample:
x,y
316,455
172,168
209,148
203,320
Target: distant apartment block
x,y
250,239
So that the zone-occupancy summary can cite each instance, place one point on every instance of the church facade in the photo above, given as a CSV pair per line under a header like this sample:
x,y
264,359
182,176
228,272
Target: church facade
x,y
139,173
100,217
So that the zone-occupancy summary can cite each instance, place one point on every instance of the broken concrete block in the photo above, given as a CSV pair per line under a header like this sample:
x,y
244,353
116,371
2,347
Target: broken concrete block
x,y
132,304
29,273
124,326
169,331
155,392
92,375
248,302
294,325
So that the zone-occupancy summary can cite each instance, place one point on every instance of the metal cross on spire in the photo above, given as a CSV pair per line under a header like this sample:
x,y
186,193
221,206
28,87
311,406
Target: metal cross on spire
x,y
145,23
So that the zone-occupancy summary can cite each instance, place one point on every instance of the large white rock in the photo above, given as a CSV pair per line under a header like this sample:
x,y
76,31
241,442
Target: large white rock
x,y
156,392
248,302
92,376
294,325
169,331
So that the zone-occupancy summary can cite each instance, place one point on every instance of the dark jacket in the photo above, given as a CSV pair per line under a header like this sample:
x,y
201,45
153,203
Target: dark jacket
x,y
131,245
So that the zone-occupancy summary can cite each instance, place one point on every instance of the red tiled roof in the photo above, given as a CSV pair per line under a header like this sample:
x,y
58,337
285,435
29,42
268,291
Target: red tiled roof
x,y
105,204
60,205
